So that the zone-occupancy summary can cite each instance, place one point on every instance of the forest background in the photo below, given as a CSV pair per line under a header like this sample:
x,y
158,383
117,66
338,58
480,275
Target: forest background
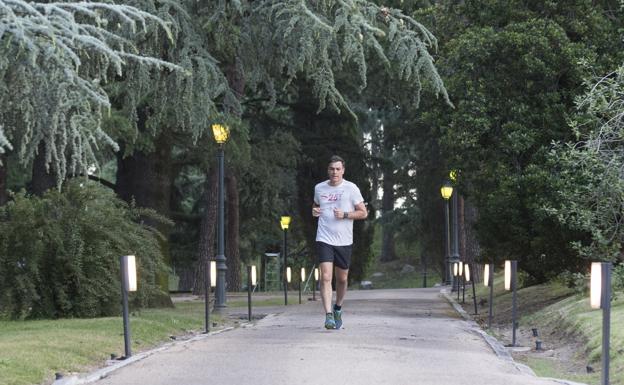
x,y
105,145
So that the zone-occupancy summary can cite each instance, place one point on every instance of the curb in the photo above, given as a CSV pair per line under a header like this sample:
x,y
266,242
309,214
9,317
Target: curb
x,y
496,345
116,365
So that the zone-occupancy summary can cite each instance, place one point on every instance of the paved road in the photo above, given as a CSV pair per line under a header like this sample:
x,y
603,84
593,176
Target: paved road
x,y
398,337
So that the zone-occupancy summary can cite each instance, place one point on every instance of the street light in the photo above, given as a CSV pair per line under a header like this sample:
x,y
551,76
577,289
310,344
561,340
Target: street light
x,y
600,298
447,190
284,223
455,257
511,268
221,134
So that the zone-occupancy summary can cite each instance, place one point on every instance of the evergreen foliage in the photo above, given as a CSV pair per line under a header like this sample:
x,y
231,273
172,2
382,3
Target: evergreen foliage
x,y
54,60
513,71
591,178
59,254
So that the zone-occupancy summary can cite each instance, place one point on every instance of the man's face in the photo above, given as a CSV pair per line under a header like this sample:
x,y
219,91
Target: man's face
x,y
335,172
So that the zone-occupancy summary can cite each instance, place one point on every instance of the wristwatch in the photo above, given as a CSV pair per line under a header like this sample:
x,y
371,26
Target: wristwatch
x,y
345,215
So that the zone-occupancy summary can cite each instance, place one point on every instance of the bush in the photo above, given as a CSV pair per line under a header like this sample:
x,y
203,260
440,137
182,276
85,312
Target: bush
x,y
59,254
575,280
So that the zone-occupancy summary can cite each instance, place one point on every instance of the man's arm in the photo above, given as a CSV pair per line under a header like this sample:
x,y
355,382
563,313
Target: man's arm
x,y
360,212
316,210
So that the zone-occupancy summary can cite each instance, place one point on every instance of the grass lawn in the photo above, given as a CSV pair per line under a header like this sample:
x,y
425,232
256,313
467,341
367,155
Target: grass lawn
x,y
32,351
570,331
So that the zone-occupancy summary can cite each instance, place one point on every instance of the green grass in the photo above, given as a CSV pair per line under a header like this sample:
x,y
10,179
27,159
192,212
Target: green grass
x,y
392,277
32,351
545,367
559,313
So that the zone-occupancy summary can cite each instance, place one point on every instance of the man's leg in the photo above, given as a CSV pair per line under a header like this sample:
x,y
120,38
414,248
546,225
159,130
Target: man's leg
x,y
342,277
326,287
341,290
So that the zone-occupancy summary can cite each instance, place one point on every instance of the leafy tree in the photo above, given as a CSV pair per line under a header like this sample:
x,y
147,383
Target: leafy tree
x,y
589,172
513,71
54,59
59,254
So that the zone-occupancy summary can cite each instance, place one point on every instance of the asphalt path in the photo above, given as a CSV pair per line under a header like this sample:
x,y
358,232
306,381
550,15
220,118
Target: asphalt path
x,y
407,336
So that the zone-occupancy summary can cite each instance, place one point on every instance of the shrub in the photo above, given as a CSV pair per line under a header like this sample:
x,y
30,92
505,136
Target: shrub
x,y
59,254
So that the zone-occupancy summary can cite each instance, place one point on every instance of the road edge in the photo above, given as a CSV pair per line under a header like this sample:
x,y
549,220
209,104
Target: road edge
x,y
498,348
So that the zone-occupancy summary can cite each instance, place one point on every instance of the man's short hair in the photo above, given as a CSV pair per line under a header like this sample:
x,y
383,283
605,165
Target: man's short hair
x,y
336,158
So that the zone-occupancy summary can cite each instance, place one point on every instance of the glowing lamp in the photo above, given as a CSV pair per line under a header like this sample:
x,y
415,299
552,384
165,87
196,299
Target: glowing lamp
x,y
285,222
221,133
507,275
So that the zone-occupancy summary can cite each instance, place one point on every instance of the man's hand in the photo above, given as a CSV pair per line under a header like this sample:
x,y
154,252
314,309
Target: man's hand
x,y
316,211
338,214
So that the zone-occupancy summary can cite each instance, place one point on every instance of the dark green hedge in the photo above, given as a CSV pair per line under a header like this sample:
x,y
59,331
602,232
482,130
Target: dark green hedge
x,y
59,254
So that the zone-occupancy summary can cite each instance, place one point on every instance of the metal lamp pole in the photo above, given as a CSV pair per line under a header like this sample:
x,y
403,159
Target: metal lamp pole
x,y
447,191
220,300
221,134
285,222
455,257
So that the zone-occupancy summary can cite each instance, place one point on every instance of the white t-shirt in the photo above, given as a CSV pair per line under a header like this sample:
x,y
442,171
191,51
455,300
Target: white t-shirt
x,y
331,230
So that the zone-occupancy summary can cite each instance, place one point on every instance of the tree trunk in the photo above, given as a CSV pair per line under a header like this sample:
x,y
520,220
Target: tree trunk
x,y
232,253
4,196
146,178
42,180
206,231
388,252
473,249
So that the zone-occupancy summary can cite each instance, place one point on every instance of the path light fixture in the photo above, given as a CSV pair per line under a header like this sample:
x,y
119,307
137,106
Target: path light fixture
x,y
128,283
511,268
316,277
600,298
285,223
209,281
447,190
251,281
463,282
488,280
456,277
301,282
221,134
288,274
474,292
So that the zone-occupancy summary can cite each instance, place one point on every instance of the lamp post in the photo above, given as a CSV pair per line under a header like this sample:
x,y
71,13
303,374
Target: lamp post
x,y
488,280
456,276
600,298
301,282
209,281
447,190
316,277
221,134
251,281
455,256
128,283
511,268
285,222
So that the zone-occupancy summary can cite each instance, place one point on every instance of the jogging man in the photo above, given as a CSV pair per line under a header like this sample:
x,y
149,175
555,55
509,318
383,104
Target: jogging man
x,y
337,203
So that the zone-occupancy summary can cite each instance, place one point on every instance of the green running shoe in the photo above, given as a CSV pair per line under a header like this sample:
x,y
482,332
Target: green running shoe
x,y
338,318
330,323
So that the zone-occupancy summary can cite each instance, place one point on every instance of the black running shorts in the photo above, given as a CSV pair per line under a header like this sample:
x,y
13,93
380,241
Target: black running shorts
x,y
338,255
